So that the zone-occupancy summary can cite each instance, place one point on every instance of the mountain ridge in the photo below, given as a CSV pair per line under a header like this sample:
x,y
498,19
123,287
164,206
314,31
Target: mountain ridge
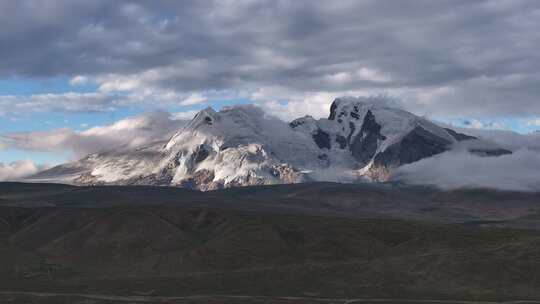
x,y
361,140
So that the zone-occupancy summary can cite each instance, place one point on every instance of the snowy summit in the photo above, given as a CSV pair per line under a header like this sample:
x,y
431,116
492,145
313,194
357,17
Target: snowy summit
x,y
361,140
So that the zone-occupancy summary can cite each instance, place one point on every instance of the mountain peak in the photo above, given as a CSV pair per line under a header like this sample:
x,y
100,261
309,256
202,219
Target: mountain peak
x,y
348,103
205,116
363,138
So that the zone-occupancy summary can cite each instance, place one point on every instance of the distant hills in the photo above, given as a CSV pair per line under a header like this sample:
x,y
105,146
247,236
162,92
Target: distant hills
x,y
296,243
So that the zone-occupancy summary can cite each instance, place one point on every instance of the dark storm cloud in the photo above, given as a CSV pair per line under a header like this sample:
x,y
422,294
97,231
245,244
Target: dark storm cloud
x,y
463,57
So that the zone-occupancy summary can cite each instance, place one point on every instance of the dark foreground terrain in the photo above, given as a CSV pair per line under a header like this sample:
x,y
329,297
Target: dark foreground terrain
x,y
309,243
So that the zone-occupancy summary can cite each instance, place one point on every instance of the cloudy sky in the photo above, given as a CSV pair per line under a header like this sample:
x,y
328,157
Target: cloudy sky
x,y
74,74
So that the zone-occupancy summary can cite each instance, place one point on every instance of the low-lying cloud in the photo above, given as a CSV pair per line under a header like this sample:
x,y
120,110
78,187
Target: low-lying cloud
x,y
519,171
505,138
18,170
127,133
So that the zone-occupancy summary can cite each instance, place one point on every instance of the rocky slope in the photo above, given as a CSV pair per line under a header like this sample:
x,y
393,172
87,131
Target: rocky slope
x,y
237,146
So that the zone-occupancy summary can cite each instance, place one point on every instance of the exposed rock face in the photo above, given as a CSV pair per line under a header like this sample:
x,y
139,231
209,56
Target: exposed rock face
x,y
241,146
490,152
322,139
378,137
365,144
201,153
333,109
414,146
342,141
201,180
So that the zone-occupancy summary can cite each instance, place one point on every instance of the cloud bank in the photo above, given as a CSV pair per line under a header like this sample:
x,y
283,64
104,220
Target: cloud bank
x,y
127,133
440,57
505,138
458,169
18,170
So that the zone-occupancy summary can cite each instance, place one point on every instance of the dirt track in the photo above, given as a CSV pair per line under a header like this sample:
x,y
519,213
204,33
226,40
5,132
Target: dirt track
x,y
157,299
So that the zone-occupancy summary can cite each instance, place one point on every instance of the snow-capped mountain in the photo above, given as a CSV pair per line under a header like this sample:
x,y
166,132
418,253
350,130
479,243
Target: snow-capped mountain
x,y
241,145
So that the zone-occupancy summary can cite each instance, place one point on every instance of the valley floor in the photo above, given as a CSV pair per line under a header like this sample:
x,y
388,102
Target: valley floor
x,y
214,248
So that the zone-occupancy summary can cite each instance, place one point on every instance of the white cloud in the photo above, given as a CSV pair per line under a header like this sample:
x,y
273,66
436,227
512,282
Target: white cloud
x,y
505,138
316,104
193,99
126,133
78,80
362,74
65,102
459,169
119,84
490,125
187,115
17,170
448,57
339,78
534,122
372,75
112,95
